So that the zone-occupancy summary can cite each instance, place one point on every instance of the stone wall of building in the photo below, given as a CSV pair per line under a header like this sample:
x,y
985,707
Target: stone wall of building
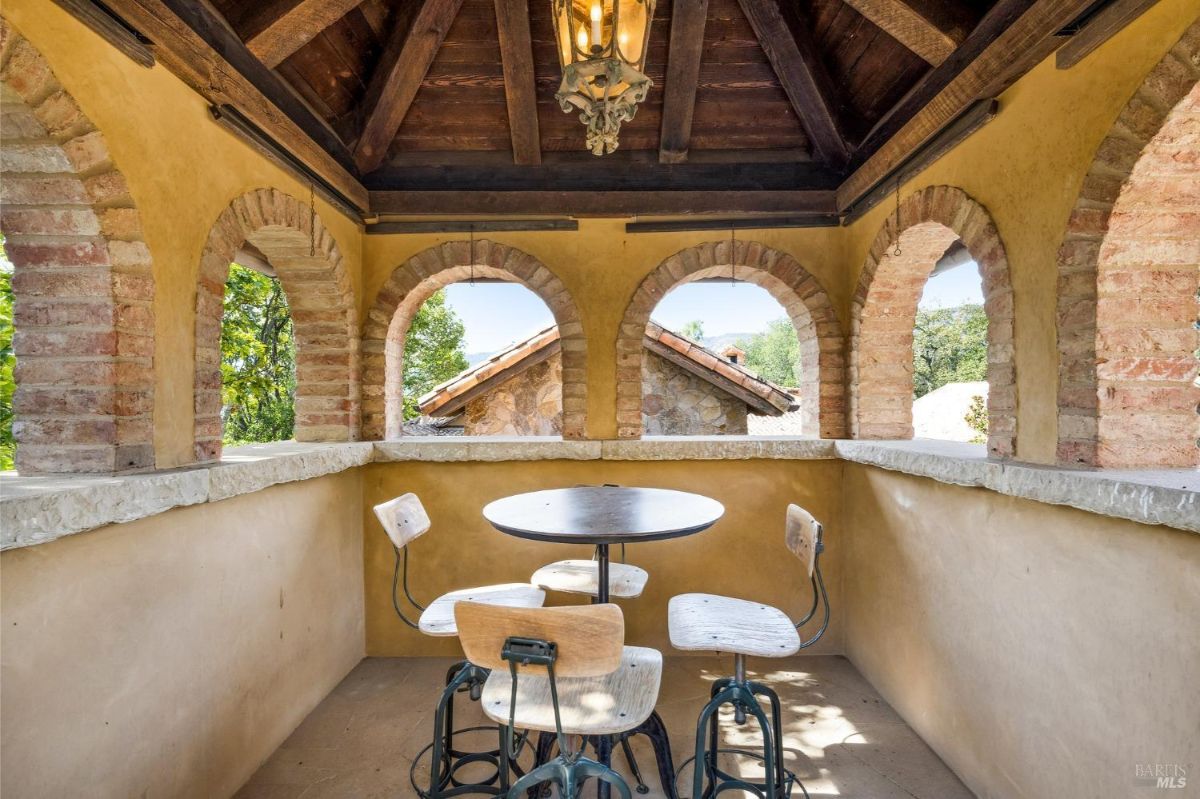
x,y
676,403
528,405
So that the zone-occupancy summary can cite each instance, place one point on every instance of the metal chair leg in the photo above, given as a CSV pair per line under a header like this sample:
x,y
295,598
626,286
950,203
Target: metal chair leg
x,y
705,762
633,765
654,729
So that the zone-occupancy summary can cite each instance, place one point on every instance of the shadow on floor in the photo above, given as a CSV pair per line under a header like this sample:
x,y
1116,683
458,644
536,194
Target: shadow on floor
x,y
841,738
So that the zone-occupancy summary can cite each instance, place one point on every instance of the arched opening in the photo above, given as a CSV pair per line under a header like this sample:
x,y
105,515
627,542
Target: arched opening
x,y
940,224
287,237
82,286
258,355
820,378
483,358
722,358
1129,286
423,275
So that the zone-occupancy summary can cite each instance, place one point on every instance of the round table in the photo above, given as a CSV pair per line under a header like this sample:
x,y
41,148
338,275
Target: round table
x,y
603,515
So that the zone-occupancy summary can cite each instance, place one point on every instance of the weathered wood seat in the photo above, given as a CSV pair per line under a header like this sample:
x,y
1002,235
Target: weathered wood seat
x,y
625,581
438,618
713,623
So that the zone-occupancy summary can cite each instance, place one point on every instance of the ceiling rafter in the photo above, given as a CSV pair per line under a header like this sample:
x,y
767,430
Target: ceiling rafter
x,y
688,18
931,29
411,48
275,29
804,78
520,91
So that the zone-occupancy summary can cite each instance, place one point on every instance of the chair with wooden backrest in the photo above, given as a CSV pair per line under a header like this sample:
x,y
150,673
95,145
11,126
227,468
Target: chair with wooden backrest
x,y
564,670
404,519
709,622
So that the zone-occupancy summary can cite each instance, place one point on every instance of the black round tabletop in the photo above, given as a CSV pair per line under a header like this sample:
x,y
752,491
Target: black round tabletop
x,y
603,514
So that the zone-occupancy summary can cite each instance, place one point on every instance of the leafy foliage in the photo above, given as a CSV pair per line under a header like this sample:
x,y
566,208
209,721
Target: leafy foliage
x,y
8,362
774,354
693,331
258,360
977,420
433,350
949,346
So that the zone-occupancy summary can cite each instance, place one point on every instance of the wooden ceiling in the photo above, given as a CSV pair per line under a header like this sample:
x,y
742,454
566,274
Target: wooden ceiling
x,y
447,106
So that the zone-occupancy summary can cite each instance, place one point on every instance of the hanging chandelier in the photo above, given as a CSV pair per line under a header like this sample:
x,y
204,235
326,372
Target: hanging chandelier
x,y
602,49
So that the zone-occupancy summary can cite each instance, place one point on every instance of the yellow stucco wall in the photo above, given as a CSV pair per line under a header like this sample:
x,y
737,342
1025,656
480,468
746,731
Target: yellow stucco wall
x,y
742,555
1026,168
1041,651
183,170
170,656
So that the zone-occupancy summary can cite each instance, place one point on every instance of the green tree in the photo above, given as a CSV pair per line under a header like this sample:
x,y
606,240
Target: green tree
x,y
433,350
693,331
774,354
258,360
977,419
949,346
8,361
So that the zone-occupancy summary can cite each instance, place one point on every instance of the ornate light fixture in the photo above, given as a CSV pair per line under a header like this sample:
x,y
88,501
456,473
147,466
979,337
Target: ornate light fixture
x,y
602,49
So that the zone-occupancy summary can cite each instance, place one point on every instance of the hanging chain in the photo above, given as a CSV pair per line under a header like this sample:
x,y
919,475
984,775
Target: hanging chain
x,y
312,221
896,252
471,258
732,258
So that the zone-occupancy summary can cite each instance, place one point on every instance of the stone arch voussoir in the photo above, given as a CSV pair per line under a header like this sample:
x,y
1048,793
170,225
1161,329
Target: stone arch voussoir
x,y
884,307
83,285
415,281
822,380
310,268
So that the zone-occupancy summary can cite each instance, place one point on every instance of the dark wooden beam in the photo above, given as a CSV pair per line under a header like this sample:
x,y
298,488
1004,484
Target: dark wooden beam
x,y
600,174
1098,29
520,92
929,28
737,223
111,28
274,29
195,43
405,61
950,137
1013,37
805,80
609,203
472,226
683,73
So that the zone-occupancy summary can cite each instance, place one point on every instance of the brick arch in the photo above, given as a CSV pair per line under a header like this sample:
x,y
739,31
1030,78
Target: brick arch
x,y
415,281
884,309
82,283
807,304
1128,277
319,294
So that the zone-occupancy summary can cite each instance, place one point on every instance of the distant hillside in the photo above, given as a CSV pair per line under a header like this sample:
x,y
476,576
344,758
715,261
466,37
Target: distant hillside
x,y
718,343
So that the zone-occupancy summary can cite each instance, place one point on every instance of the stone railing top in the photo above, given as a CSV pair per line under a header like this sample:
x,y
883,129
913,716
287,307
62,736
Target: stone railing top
x,y
36,510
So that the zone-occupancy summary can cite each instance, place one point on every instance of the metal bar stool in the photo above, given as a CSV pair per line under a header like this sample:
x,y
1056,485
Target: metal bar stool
x,y
707,622
405,519
564,670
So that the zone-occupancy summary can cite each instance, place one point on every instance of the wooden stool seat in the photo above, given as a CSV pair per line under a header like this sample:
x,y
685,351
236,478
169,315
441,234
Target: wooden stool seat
x,y
605,705
710,622
438,618
583,577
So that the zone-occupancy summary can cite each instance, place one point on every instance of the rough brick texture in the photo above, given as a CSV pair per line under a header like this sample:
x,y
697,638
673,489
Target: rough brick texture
x,y
1129,283
83,289
320,297
415,281
822,383
884,309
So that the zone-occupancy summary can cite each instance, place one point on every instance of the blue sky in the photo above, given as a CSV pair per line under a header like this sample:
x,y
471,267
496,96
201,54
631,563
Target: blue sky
x,y
498,314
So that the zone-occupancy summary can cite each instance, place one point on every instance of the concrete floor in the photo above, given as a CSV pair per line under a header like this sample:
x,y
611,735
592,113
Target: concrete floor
x,y
841,738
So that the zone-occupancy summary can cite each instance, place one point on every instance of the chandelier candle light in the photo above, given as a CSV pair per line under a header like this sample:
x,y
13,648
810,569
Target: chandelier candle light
x,y
602,48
